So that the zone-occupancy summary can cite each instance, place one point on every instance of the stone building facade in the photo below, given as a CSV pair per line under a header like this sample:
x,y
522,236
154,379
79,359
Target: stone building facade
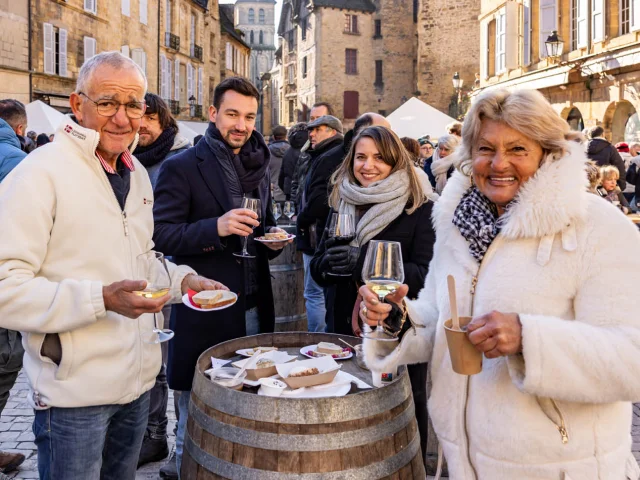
x,y
66,33
448,34
358,55
14,53
256,19
595,80
235,53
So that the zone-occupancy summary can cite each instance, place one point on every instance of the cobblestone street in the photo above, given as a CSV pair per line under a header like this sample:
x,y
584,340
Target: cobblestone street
x,y
16,434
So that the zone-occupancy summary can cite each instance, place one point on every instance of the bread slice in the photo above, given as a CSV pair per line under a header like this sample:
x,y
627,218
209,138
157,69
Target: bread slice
x,y
208,299
276,236
329,348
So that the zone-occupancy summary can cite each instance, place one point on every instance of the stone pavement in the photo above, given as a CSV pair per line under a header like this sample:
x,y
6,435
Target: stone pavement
x,y
16,434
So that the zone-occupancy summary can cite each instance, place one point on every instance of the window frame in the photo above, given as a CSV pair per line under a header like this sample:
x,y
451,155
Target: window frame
x,y
351,64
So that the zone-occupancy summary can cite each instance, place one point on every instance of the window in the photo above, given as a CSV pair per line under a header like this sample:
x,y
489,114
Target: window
x,y
291,39
200,86
90,48
143,11
251,38
190,92
351,61
261,37
350,23
55,50
252,16
597,20
378,29
351,105
624,16
261,15
164,90
304,67
634,15
582,19
167,20
526,34
169,77
193,31
126,7
291,111
176,93
501,41
139,56
291,74
228,59
91,6
125,50
212,46
379,81
416,6
548,22
303,28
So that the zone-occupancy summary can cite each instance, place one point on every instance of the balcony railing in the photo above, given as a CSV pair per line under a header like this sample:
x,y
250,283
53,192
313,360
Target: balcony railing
x,y
171,41
196,51
195,110
174,106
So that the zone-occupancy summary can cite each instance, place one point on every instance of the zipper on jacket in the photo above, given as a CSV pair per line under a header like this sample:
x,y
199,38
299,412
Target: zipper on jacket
x,y
125,223
562,428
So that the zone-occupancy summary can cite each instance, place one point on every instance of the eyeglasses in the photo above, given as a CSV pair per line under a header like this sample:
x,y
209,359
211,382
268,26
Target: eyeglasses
x,y
108,108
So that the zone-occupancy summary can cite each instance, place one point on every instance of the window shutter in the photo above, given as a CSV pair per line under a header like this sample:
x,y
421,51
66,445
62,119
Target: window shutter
x,y
501,18
484,47
200,86
62,52
163,76
167,20
143,12
90,6
354,24
526,34
49,57
177,81
125,50
89,48
351,104
169,77
597,20
548,22
581,23
512,27
634,14
126,7
189,81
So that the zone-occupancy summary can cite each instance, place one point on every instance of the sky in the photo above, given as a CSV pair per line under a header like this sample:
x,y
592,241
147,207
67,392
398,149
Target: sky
x,y
278,8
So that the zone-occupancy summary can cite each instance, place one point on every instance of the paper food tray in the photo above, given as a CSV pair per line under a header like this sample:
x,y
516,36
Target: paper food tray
x,y
327,366
254,374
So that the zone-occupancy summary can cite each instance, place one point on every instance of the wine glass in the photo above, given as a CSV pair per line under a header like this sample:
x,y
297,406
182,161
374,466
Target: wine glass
x,y
252,204
289,211
152,267
342,228
383,272
277,211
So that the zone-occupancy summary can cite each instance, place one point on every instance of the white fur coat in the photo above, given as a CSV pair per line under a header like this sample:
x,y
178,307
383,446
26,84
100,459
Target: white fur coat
x,y
568,263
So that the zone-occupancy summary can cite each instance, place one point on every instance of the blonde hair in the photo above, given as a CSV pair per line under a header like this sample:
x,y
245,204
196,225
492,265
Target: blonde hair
x,y
609,172
593,174
526,111
393,153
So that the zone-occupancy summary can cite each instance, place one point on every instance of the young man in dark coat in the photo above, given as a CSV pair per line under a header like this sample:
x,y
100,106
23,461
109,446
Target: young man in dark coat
x,y
298,136
200,222
603,153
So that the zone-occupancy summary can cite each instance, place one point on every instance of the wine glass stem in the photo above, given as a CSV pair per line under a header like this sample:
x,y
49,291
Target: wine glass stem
x,y
379,327
244,246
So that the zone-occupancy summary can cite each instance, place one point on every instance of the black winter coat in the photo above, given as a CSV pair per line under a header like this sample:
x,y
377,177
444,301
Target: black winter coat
x,y
603,153
290,162
278,150
190,195
633,177
315,208
417,238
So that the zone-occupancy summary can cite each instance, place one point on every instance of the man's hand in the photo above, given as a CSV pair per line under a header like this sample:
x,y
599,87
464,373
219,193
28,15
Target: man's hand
x,y
119,298
237,222
496,334
277,245
198,284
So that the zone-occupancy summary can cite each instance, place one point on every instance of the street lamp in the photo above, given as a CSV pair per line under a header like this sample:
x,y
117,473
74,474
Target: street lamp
x,y
457,85
554,45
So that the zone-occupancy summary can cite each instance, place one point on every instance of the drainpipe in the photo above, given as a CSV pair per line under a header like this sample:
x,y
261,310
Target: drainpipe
x,y
29,27
159,66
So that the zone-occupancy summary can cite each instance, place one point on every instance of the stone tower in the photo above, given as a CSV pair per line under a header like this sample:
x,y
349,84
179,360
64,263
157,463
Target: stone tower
x,y
256,19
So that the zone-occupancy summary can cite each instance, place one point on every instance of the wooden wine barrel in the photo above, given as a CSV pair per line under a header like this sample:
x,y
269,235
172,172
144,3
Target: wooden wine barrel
x,y
287,284
367,435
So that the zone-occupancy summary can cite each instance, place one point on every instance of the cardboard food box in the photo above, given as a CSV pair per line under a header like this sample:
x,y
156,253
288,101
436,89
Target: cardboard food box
x,y
327,367
258,373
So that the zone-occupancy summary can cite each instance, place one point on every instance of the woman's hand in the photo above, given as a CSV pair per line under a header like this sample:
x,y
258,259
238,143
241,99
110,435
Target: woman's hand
x,y
496,334
372,310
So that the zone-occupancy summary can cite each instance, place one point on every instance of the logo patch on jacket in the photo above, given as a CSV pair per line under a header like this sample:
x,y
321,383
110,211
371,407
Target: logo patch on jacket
x,y
74,133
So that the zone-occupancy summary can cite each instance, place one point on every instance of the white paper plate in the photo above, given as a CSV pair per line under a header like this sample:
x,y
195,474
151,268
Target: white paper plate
x,y
304,351
264,240
327,390
245,352
185,300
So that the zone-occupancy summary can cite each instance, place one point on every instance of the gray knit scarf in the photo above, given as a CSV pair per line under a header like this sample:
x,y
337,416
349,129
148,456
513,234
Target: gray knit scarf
x,y
388,198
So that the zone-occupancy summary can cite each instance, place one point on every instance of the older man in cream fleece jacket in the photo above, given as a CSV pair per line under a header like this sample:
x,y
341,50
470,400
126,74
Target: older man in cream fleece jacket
x,y
75,215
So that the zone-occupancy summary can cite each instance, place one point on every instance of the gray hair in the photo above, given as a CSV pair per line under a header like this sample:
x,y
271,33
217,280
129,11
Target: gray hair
x,y
526,111
450,142
113,59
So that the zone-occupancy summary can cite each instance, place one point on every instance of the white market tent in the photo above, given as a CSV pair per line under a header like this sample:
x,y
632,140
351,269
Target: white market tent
x,y
41,118
192,129
414,119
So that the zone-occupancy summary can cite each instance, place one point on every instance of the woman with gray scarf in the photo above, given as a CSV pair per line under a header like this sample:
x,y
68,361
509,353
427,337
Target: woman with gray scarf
x,y
442,161
378,185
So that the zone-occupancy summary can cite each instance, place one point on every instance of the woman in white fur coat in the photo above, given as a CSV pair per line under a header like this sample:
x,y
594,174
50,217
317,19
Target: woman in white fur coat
x,y
537,269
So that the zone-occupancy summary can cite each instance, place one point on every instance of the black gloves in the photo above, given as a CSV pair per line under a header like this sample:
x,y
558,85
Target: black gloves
x,y
342,259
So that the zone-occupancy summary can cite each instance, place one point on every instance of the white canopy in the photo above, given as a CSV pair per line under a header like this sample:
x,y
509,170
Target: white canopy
x,y
414,119
192,129
41,118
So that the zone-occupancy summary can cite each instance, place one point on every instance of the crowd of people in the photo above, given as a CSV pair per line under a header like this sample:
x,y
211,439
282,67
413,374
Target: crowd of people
x,y
506,202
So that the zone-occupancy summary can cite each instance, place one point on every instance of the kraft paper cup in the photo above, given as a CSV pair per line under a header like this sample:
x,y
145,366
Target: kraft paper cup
x,y
465,359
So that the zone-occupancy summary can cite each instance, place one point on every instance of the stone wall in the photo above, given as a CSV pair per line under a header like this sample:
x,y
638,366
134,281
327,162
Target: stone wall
x,y
448,42
14,51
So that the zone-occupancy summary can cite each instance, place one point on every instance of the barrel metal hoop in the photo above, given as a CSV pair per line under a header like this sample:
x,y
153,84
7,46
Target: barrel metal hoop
x,y
287,267
291,318
301,410
302,443
380,469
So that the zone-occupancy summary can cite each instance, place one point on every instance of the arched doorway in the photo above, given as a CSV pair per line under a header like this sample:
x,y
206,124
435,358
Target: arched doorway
x,y
616,119
574,119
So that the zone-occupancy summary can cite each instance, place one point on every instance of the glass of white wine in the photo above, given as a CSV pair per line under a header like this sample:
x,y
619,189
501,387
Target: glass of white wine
x,y
252,204
277,211
289,211
383,272
152,267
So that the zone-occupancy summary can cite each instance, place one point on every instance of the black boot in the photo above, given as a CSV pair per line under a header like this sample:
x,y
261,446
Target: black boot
x,y
154,448
169,471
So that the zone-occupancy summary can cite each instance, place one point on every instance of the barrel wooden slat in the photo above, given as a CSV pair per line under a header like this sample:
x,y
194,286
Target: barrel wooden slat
x,y
363,436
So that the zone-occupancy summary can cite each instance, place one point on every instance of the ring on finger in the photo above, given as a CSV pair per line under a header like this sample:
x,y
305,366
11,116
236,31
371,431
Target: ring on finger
x,y
365,310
